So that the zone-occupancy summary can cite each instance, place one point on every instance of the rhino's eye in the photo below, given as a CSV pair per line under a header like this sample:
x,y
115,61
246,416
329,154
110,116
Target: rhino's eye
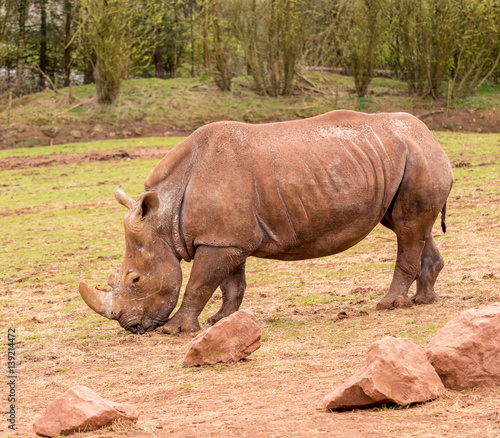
x,y
136,279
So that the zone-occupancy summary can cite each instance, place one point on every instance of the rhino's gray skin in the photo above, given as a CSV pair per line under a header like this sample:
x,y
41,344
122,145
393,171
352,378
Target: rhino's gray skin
x,y
288,191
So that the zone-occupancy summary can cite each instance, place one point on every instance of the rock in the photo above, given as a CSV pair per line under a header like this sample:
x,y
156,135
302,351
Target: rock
x,y
229,340
466,351
75,134
397,371
49,131
17,127
39,121
80,408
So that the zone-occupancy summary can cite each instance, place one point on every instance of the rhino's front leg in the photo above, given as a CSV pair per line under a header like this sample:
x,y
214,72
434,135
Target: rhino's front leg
x,y
210,267
233,289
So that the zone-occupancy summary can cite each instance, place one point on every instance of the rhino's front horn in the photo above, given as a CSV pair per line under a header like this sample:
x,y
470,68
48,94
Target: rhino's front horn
x,y
98,300
123,198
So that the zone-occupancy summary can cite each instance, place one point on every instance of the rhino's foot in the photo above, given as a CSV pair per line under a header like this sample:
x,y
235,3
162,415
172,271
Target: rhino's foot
x,y
389,303
217,317
428,298
179,324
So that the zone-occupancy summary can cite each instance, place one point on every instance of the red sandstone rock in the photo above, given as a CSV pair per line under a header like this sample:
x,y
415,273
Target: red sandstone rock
x,y
466,351
230,340
80,409
397,371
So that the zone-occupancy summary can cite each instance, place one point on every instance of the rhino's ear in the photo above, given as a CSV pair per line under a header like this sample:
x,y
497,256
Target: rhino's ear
x,y
148,203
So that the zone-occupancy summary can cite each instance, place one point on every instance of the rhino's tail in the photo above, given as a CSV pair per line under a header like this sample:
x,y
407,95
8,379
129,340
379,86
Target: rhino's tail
x,y
443,218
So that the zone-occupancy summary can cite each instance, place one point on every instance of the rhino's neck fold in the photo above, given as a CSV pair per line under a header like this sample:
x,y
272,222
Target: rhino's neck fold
x,y
170,178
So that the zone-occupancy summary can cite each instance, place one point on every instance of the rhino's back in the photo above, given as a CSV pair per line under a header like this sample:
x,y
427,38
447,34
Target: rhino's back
x,y
295,190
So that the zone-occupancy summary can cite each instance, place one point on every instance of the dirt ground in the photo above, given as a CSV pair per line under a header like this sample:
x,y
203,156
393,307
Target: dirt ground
x,y
306,350
54,159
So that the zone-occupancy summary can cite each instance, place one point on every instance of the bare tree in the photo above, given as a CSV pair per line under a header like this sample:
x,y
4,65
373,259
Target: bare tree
x,y
364,42
22,16
115,31
272,35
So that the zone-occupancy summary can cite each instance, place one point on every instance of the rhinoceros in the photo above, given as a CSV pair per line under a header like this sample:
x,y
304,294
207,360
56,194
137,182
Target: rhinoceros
x,y
288,191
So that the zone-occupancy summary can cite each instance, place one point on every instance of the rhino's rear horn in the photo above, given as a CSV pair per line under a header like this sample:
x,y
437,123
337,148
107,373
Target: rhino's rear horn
x,y
123,198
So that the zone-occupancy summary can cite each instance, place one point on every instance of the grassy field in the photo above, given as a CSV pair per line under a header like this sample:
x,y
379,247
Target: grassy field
x,y
60,225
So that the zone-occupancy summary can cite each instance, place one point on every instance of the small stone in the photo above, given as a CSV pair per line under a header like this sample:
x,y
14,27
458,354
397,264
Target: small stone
x,y
397,371
18,127
39,121
493,416
75,134
466,351
49,131
80,409
342,315
229,340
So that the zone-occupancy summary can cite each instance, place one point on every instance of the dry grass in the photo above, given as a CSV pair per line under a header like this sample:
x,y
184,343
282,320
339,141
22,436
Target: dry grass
x,y
306,349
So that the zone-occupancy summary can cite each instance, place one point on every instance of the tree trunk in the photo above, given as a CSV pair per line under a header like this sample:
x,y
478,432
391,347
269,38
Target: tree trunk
x,y
159,67
191,24
175,62
271,50
223,59
107,83
23,13
88,76
43,42
67,48
206,45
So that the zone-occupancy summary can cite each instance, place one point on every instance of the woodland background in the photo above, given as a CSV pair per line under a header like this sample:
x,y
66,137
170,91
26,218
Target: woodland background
x,y
447,48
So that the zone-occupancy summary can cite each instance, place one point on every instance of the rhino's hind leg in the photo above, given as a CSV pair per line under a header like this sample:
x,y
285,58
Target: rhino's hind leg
x,y
233,289
431,264
415,244
406,271
211,266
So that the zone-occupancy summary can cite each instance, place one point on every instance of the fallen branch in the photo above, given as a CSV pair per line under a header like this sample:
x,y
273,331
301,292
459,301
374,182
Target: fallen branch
x,y
311,84
307,81
309,88
69,109
190,87
377,73
38,69
424,116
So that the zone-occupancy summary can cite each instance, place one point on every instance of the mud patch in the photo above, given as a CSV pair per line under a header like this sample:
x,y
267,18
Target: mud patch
x,y
66,159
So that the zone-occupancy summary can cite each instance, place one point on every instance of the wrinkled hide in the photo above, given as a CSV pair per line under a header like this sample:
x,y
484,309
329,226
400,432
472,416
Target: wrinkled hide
x,y
287,191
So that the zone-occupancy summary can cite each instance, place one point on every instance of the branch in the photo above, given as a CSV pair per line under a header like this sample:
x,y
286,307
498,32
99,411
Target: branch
x,y
37,68
424,116
308,82
77,31
489,73
69,109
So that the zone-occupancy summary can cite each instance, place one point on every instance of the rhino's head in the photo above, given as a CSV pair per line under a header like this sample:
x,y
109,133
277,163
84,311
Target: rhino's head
x,y
145,290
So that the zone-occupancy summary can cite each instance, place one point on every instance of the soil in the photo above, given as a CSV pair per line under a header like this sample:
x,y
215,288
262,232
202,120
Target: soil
x,y
464,121
62,159
20,135
277,391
